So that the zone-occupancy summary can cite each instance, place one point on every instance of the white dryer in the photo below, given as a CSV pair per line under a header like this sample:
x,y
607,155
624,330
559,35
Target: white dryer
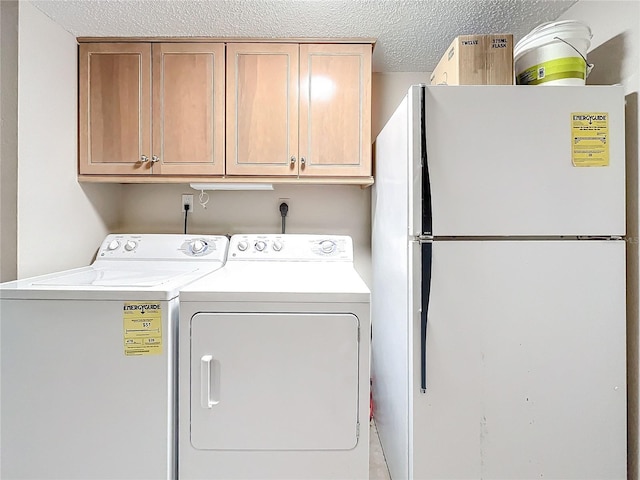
x,y
274,363
89,361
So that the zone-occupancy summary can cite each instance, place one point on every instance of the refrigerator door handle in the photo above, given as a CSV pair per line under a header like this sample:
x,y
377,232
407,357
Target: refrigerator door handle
x,y
427,207
426,254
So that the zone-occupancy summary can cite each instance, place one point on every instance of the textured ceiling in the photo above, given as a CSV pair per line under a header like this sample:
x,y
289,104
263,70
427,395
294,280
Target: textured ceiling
x,y
411,35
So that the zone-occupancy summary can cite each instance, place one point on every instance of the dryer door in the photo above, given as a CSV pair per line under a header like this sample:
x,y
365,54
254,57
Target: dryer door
x,y
274,381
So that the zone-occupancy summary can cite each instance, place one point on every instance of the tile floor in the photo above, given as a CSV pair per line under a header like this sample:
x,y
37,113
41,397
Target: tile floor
x,y
377,465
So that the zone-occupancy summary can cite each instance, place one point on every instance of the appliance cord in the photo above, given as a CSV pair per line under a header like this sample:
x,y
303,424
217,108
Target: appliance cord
x,y
284,209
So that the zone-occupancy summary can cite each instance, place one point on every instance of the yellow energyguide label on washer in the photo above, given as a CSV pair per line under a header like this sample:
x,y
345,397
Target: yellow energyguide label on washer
x,y
142,328
590,139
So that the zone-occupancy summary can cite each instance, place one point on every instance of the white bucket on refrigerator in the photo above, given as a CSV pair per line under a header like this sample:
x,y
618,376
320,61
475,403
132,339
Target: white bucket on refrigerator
x,y
553,53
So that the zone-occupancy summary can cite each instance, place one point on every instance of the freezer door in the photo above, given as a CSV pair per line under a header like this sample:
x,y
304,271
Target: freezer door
x,y
525,371
274,381
500,162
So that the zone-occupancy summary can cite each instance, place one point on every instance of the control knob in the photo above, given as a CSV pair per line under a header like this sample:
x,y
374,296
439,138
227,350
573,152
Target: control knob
x,y
277,246
113,244
198,246
260,245
327,246
130,245
243,245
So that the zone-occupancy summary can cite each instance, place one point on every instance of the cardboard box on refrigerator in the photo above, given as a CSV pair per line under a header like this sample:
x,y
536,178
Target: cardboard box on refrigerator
x,y
476,60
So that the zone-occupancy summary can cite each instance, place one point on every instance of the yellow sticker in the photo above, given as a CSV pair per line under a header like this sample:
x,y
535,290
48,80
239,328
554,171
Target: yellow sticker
x,y
590,139
142,328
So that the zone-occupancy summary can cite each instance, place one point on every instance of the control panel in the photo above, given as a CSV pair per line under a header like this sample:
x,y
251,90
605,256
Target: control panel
x,y
291,248
163,247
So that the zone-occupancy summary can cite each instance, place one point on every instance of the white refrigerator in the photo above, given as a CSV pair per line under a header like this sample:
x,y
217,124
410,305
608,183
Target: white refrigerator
x,y
498,300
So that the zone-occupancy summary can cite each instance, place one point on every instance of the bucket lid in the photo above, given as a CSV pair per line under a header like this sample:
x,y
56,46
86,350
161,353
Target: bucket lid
x,y
547,32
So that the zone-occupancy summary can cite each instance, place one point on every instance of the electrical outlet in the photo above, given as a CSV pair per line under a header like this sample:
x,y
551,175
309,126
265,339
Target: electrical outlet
x,y
283,200
187,199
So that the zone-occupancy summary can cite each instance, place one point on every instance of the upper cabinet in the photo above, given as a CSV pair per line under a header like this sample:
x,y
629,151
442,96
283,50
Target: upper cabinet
x,y
115,108
335,110
262,109
299,110
175,111
148,109
188,108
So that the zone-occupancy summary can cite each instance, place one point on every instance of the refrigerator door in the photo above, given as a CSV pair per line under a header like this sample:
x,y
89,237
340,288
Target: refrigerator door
x,y
500,162
525,373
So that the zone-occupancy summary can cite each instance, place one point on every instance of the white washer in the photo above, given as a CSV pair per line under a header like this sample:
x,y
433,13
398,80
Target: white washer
x,y
89,361
274,363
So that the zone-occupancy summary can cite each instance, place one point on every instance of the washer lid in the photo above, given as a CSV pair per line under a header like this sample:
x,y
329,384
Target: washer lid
x,y
105,277
129,267
124,281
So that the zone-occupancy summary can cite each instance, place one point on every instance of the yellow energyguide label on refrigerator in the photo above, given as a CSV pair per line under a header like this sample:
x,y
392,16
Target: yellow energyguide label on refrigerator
x,y
142,328
590,139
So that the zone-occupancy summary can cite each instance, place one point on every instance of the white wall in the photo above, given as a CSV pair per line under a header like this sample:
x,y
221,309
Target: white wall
x,y
8,138
615,52
614,47
60,222
388,89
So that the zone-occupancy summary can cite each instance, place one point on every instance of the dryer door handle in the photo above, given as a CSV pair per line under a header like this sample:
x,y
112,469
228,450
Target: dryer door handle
x,y
209,381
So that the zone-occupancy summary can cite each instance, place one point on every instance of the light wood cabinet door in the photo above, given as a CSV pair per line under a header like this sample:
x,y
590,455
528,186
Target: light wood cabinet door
x,y
262,109
188,108
335,110
115,108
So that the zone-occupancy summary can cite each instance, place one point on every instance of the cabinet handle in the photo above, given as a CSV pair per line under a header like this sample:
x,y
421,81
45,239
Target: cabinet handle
x,y
292,162
303,162
155,159
144,158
